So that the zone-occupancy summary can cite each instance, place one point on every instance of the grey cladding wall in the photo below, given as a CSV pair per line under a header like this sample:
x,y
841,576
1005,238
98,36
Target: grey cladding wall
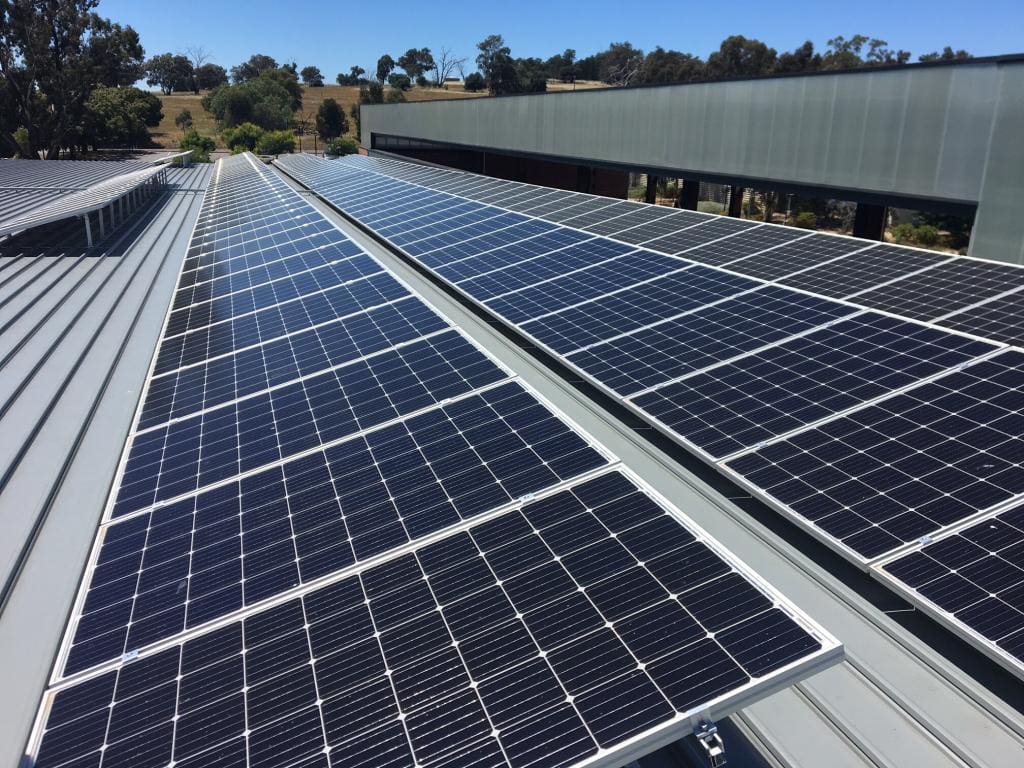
x,y
947,132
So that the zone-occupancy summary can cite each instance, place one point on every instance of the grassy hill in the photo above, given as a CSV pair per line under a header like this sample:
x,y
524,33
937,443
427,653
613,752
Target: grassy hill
x,y
167,134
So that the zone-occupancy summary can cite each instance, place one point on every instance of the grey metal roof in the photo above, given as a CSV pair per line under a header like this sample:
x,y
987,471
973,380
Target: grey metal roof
x,y
78,328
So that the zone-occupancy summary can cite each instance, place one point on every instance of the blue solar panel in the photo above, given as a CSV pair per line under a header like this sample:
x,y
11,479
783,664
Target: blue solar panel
x,y
704,337
904,467
760,396
538,637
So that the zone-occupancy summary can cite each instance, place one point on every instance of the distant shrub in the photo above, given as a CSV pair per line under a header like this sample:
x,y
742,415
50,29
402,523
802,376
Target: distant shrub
x,y
242,138
805,220
908,234
394,96
342,146
474,82
276,143
200,145
422,81
399,81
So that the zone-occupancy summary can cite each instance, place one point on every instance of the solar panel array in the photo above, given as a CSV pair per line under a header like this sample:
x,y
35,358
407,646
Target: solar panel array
x,y
807,367
344,535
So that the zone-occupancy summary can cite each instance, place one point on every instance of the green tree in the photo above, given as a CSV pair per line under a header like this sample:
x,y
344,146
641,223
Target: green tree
x,y
371,93
399,81
183,120
621,64
496,65
661,66
242,137
269,101
342,146
52,56
800,59
416,62
531,75
562,66
257,64
200,145
121,117
947,54
738,56
354,76
330,120
169,72
312,77
385,66
276,143
210,76
474,82
354,112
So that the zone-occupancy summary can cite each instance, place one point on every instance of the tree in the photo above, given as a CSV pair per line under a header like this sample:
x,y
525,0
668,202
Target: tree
x,y
242,137
416,61
52,56
474,82
342,146
621,64
399,81
312,77
210,76
562,66
947,54
385,66
496,65
354,113
354,76
661,66
200,145
801,59
445,64
170,72
257,64
183,120
197,56
371,93
394,96
269,101
739,57
121,116
531,75
116,54
330,120
276,143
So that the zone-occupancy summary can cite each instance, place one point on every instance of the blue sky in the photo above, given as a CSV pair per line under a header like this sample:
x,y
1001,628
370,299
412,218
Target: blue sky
x,y
334,35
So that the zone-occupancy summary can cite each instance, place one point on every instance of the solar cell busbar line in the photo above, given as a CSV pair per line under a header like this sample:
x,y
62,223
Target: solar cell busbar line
x,y
873,394
344,535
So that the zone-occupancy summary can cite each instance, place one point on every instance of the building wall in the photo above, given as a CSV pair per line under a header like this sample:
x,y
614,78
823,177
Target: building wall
x,y
948,133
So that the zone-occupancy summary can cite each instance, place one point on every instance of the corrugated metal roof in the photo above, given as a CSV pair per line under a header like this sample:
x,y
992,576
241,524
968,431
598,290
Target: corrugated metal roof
x,y
78,328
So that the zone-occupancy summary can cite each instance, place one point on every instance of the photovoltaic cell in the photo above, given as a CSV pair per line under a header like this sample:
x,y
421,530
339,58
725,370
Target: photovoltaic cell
x,y
907,466
251,369
879,264
704,337
795,256
689,238
736,405
538,637
638,227
569,288
974,578
944,289
1001,319
633,308
740,243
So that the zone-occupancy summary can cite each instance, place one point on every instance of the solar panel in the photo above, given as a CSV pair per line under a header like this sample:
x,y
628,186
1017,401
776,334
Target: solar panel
x,y
944,289
971,579
866,269
703,372
735,405
554,633
691,237
354,539
703,337
1001,318
795,256
904,467
638,227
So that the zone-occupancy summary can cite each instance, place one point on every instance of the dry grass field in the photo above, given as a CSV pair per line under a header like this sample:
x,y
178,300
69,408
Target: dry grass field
x,y
167,134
